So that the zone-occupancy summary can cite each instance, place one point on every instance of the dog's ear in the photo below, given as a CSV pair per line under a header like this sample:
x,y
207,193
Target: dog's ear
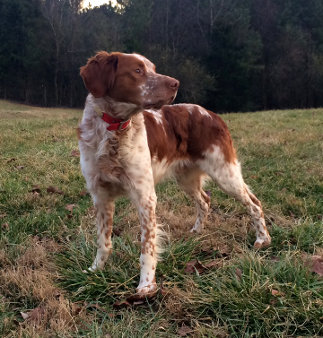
x,y
99,73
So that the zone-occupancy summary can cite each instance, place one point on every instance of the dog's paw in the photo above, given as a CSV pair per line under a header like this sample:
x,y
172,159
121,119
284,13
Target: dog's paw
x,y
90,269
95,267
147,291
262,243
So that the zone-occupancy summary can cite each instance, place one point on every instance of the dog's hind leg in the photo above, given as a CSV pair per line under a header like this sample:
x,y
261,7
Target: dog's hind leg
x,y
104,222
191,182
229,178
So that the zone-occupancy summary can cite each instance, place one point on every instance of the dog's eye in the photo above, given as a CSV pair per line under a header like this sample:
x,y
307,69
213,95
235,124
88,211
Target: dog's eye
x,y
138,70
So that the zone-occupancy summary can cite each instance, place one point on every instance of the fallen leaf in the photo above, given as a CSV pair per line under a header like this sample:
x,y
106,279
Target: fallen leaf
x,y
238,273
121,304
116,232
76,308
11,160
3,215
34,315
317,265
314,263
224,250
5,226
184,330
70,207
194,266
275,259
214,264
84,193
75,153
277,293
35,189
54,190
24,315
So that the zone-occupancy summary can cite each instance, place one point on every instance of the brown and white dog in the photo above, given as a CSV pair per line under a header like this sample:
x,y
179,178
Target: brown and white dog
x,y
130,138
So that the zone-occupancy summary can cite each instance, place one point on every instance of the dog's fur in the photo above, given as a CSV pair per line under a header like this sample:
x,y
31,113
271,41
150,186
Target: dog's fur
x,y
185,141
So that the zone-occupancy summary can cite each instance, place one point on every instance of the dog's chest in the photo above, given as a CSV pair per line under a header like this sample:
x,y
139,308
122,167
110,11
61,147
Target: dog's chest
x,y
116,158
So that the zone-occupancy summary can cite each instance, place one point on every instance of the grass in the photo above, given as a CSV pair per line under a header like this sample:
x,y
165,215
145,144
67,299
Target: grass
x,y
44,246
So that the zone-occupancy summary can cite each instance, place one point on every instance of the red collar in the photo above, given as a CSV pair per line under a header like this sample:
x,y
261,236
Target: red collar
x,y
114,123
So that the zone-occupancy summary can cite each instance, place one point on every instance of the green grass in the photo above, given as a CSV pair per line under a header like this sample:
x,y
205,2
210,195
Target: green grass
x,y
44,247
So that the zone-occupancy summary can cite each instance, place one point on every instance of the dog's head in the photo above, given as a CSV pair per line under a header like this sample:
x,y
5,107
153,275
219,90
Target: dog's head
x,y
128,78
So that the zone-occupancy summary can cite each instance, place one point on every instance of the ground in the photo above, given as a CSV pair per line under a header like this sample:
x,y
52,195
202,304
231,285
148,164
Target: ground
x,y
213,284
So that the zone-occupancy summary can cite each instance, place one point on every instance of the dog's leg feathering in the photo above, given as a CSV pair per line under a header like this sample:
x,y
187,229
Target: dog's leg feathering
x,y
104,222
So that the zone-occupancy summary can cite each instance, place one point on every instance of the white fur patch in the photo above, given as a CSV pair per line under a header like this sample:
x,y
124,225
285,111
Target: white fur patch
x,y
164,169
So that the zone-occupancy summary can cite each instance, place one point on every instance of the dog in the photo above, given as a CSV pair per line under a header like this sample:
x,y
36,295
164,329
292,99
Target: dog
x,y
131,137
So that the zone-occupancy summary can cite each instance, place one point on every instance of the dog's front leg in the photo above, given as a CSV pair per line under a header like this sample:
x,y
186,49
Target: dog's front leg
x,y
104,222
148,257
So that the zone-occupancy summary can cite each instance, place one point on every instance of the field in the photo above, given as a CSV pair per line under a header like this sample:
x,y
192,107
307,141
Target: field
x,y
211,285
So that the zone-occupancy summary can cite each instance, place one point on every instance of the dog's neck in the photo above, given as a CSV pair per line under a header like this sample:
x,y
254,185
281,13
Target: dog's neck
x,y
118,110
94,131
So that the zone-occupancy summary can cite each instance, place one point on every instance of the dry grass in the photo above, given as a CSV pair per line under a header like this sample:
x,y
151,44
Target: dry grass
x,y
30,278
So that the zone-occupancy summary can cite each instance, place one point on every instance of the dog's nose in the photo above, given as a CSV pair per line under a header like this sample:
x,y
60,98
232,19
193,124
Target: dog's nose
x,y
173,83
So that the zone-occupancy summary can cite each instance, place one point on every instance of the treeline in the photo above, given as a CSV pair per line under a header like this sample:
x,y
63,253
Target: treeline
x,y
230,55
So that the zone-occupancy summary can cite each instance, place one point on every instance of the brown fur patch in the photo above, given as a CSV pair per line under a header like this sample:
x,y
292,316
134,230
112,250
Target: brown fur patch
x,y
99,73
187,135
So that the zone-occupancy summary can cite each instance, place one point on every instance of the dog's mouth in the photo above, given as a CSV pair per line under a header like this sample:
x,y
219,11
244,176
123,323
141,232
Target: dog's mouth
x,y
172,99
158,104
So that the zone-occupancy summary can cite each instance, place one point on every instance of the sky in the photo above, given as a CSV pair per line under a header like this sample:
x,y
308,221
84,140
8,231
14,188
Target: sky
x,y
95,3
